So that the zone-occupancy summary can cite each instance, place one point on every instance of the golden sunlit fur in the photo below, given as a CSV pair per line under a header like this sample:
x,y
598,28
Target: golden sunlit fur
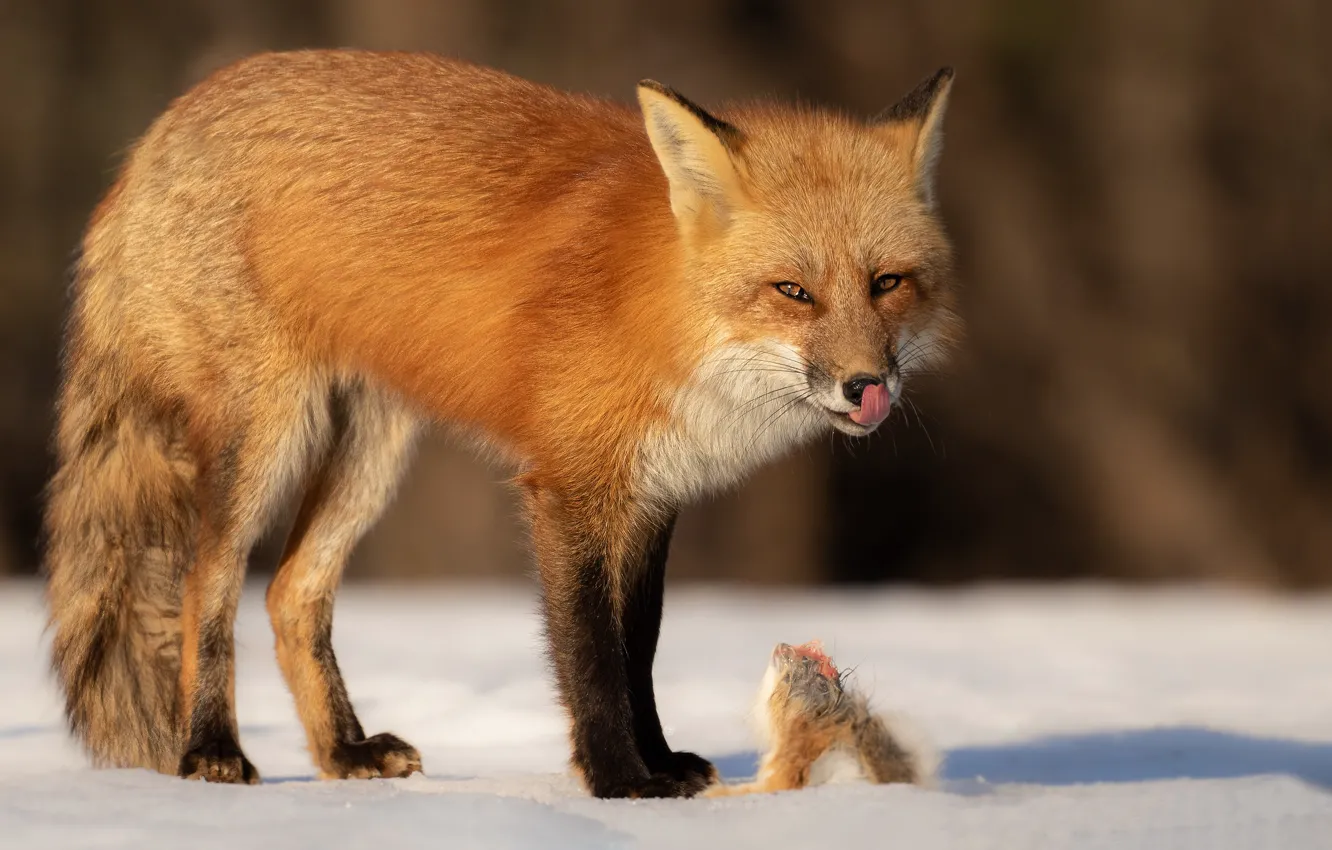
x,y
310,254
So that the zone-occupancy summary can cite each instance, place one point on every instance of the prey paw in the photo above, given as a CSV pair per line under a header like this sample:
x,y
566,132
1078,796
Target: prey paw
x,y
382,756
221,761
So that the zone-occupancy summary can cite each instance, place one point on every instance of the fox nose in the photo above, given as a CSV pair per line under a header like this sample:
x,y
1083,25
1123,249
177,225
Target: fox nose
x,y
855,388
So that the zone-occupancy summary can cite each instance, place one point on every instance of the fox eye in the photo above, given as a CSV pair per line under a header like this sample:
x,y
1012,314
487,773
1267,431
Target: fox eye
x,y
792,290
886,283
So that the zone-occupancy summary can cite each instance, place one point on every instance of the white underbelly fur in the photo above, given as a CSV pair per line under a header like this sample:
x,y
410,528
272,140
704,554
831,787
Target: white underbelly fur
x,y
741,408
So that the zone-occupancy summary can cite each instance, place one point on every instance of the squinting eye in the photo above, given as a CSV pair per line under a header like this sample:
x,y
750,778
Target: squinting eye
x,y
886,283
792,290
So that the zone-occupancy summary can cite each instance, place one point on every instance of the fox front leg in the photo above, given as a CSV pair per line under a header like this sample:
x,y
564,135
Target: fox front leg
x,y
583,576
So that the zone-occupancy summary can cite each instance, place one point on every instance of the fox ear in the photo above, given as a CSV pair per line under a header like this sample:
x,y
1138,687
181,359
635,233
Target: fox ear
x,y
696,151
919,116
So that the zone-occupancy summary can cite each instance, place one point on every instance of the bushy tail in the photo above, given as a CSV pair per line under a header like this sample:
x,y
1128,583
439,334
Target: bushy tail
x,y
120,524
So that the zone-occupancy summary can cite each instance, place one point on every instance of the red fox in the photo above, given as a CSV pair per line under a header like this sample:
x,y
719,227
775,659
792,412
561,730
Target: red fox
x,y
310,254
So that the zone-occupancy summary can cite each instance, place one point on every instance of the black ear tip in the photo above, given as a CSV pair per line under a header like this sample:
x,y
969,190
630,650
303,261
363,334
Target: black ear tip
x,y
938,81
922,98
653,85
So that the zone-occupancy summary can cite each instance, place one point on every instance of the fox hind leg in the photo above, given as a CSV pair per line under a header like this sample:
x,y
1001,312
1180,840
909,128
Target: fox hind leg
x,y
240,488
372,436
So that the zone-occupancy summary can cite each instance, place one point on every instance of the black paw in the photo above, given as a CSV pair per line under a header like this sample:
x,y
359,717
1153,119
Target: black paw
x,y
218,761
691,771
655,785
382,756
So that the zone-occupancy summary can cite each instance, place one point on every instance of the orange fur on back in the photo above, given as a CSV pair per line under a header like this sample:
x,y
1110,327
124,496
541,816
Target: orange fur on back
x,y
498,251
490,248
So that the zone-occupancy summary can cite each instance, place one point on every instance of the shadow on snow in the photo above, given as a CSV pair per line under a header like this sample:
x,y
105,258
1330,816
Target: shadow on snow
x,y
1186,752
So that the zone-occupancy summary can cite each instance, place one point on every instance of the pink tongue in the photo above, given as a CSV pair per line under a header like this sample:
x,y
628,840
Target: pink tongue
x,y
874,405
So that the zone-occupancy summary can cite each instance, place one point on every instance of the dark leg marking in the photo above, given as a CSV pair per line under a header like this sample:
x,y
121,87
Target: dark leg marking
x,y
213,753
353,756
587,647
641,618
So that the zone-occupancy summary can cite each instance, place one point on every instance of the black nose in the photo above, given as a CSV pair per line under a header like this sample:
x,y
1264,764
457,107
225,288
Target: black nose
x,y
855,388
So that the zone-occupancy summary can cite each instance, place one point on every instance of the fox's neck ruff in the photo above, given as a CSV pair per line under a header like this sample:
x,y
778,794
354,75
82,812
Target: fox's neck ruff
x,y
743,405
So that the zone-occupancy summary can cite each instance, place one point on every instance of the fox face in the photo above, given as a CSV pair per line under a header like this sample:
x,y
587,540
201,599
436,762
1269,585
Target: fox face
x,y
841,266
824,270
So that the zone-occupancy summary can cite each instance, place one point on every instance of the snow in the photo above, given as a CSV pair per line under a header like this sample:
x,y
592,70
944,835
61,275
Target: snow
x,y
1084,717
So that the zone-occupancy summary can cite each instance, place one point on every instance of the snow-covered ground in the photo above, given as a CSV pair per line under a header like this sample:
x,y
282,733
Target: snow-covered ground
x,y
1080,718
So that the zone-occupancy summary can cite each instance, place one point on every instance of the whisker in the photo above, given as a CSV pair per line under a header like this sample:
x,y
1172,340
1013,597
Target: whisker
x,y
912,406
761,369
774,418
751,404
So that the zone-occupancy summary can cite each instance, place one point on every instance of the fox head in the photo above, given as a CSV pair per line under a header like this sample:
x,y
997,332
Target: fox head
x,y
814,245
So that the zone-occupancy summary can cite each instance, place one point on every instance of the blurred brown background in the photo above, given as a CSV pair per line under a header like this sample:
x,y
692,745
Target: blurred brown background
x,y
1140,194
